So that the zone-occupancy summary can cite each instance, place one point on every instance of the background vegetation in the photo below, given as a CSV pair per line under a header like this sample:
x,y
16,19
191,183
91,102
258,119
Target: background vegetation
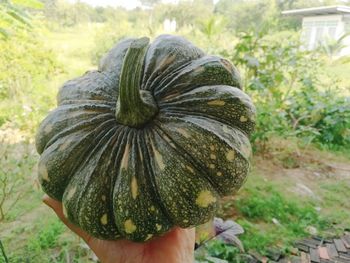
x,y
300,173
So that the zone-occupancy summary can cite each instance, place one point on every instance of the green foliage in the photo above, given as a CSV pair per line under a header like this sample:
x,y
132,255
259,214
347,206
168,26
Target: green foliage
x,y
263,204
216,251
332,47
291,90
25,65
47,237
324,120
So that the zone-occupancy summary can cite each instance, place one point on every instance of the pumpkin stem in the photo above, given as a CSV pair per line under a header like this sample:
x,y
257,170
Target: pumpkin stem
x,y
135,107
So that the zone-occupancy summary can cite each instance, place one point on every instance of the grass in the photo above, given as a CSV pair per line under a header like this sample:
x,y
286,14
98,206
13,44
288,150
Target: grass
x,y
273,211
270,218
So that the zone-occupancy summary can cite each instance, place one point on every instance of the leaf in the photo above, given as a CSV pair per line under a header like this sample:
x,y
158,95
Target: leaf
x,y
227,231
228,238
19,18
222,226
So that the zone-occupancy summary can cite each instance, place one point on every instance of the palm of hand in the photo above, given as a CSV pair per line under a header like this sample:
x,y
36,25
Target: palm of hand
x,y
174,247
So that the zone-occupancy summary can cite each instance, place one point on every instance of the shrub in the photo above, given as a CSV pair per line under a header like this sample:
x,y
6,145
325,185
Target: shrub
x,y
291,90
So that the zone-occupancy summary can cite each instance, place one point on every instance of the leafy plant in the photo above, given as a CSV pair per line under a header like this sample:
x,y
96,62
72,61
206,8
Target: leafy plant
x,y
290,90
13,15
332,47
224,246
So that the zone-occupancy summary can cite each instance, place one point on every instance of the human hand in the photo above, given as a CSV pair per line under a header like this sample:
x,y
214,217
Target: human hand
x,y
174,247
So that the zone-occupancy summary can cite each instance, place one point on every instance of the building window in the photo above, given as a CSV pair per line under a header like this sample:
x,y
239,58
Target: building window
x,y
315,32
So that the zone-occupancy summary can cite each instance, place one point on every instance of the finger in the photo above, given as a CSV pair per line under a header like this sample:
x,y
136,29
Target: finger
x,y
58,209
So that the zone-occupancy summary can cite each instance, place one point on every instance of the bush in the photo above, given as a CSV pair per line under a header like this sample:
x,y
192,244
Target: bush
x,y
291,90
24,62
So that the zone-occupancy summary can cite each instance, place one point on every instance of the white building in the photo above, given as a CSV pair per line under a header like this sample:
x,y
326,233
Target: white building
x,y
320,24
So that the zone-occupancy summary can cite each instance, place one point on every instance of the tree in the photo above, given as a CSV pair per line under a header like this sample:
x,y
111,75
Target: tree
x,y
13,15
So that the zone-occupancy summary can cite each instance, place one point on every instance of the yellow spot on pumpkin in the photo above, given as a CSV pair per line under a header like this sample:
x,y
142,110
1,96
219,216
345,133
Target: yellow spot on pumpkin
x,y
104,219
211,166
129,226
225,129
159,227
183,132
219,173
43,172
166,61
230,155
148,236
103,197
212,147
134,187
212,156
159,159
141,155
243,118
199,70
190,168
71,192
64,145
216,103
205,198
125,160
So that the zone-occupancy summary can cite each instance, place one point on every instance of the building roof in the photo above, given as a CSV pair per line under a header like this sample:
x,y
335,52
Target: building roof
x,y
315,11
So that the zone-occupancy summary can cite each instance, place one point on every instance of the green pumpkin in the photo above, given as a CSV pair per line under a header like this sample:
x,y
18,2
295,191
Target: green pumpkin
x,y
149,141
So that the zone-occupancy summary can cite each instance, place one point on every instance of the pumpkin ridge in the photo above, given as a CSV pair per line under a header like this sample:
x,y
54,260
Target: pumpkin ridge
x,y
195,182
62,113
79,159
147,140
230,91
163,47
111,145
84,87
104,141
73,128
197,73
118,148
182,113
243,155
243,159
193,161
157,78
